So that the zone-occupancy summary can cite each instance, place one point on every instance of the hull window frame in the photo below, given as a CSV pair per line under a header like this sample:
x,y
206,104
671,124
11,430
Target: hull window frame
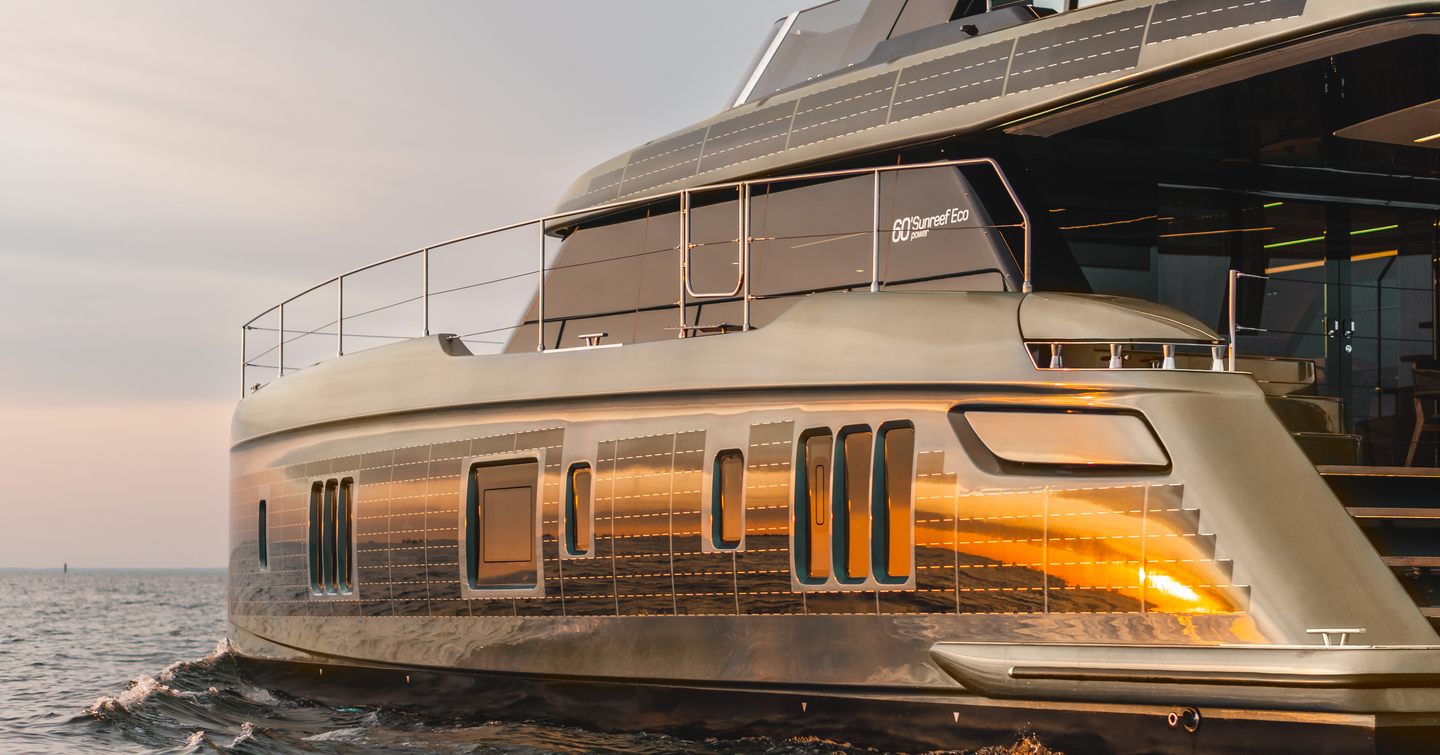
x,y
851,548
892,545
812,505
262,535
330,537
727,500
579,510
502,473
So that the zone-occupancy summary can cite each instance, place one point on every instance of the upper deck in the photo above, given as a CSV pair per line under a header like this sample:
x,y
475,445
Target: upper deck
x,y
868,86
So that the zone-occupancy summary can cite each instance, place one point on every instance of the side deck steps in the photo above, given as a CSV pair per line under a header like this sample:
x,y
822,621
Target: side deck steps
x,y
1398,508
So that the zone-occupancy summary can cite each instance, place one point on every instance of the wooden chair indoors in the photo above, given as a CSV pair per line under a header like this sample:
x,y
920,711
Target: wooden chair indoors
x,y
1427,389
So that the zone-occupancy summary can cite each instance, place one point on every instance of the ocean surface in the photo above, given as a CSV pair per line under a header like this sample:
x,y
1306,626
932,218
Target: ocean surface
x,y
135,661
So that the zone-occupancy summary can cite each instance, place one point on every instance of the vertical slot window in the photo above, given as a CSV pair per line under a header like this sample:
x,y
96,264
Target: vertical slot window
x,y
327,536
894,486
313,533
329,540
344,542
500,529
262,536
813,504
852,491
579,516
727,499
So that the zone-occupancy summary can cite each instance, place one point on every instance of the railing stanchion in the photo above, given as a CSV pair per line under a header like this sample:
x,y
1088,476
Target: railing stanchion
x,y
540,297
745,256
244,360
684,255
875,233
425,290
1230,305
280,347
340,316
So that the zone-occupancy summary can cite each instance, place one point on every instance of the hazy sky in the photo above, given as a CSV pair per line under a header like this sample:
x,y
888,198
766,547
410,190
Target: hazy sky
x,y
169,169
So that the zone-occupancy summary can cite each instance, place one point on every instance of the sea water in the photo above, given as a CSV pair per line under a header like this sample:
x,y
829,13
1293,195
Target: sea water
x,y
135,661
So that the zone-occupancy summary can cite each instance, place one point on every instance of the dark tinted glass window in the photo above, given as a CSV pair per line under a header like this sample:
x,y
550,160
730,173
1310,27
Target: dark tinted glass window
x,y
727,498
344,542
262,536
579,517
313,535
500,524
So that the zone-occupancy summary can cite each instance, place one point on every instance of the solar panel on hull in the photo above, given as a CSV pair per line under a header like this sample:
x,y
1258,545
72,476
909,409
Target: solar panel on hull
x,y
602,188
663,161
1075,51
747,137
843,110
1186,18
951,81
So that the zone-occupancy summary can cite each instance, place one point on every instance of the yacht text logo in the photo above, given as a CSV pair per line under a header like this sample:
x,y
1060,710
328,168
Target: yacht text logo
x,y
917,227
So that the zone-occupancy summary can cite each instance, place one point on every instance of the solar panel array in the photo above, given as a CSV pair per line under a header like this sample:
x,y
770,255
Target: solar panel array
x,y
1052,55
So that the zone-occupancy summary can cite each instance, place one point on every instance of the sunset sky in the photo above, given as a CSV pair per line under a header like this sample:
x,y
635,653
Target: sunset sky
x,y
170,169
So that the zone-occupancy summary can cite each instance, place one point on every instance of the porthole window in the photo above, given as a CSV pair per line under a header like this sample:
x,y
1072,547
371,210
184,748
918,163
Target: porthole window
x,y
262,537
579,513
500,529
894,485
727,499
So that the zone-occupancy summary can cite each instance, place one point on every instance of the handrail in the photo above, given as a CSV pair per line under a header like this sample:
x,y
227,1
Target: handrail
x,y
742,288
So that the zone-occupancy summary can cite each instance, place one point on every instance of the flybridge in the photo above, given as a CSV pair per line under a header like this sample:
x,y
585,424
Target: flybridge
x,y
842,35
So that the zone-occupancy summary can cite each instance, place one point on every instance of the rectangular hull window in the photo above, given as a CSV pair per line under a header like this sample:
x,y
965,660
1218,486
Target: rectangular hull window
x,y
313,536
894,551
344,543
813,504
500,528
329,538
852,475
579,517
727,498
262,536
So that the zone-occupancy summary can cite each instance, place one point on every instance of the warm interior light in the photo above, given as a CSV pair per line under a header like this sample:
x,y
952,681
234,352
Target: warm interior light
x,y
1424,139
1374,255
1212,233
1291,268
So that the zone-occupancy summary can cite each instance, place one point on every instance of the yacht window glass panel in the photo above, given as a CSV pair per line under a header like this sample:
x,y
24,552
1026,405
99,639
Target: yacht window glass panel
x,y
727,498
262,536
313,535
328,537
579,516
500,524
827,38
855,477
814,502
898,480
713,261
344,542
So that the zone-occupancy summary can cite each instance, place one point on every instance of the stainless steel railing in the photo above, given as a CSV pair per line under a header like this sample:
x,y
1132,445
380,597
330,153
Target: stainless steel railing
x,y
742,288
